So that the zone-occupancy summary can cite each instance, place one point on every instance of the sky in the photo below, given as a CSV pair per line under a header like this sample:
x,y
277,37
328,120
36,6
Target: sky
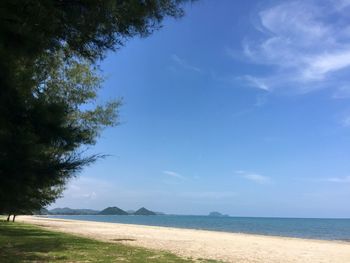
x,y
241,107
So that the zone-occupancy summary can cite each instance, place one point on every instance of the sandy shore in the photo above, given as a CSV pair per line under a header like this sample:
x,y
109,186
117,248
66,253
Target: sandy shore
x,y
228,247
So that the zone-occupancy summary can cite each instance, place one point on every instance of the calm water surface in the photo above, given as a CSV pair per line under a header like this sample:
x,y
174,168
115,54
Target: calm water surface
x,y
328,229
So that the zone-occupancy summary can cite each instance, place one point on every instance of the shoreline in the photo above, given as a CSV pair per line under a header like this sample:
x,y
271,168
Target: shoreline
x,y
225,246
53,217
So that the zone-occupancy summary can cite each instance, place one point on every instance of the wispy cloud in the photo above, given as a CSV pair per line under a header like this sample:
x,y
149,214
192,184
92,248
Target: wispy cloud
x,y
259,83
174,174
254,177
342,92
85,189
306,44
184,64
91,195
345,122
208,195
345,179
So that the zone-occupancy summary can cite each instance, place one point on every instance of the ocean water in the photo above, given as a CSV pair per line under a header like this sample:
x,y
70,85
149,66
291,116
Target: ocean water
x,y
313,228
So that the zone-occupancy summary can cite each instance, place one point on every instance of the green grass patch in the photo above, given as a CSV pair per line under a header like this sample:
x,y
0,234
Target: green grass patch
x,y
27,243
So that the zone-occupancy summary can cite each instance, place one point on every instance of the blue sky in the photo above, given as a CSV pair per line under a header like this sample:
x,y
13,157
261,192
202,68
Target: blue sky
x,y
238,107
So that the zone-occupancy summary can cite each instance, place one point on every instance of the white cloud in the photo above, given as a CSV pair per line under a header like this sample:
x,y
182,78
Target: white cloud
x,y
254,177
306,43
319,66
184,64
174,174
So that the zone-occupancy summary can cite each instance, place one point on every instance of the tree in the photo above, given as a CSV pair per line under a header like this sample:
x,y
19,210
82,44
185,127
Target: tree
x,y
88,28
44,148
48,49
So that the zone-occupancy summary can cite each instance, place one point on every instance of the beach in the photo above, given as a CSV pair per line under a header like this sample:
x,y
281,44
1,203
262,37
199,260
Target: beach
x,y
227,247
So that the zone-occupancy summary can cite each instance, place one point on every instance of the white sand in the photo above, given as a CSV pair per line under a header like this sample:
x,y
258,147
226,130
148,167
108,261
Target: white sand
x,y
228,247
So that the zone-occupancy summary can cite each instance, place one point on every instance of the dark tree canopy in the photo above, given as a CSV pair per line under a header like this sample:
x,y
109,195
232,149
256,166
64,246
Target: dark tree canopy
x,y
29,28
47,74
88,27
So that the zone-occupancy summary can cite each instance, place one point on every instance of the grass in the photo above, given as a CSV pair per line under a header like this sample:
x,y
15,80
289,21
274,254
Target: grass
x,y
27,243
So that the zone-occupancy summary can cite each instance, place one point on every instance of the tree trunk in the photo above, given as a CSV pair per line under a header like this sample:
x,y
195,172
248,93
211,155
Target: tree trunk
x,y
14,217
8,218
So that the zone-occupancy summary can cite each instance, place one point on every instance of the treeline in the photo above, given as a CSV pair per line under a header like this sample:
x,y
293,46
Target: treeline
x,y
49,80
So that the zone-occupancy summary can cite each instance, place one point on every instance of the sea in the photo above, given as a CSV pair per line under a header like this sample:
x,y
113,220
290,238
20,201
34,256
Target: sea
x,y
311,228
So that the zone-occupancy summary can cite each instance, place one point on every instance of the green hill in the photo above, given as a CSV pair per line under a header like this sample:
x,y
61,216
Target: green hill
x,y
113,211
144,212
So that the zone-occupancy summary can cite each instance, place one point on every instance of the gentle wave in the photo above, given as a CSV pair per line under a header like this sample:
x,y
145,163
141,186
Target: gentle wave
x,y
326,229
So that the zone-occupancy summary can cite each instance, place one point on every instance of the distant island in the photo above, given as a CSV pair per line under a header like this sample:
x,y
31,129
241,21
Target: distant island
x,y
107,211
68,211
113,211
144,212
217,214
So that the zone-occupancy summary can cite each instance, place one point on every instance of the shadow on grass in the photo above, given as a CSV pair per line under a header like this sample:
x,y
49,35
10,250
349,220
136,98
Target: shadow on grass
x,y
21,243
26,243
